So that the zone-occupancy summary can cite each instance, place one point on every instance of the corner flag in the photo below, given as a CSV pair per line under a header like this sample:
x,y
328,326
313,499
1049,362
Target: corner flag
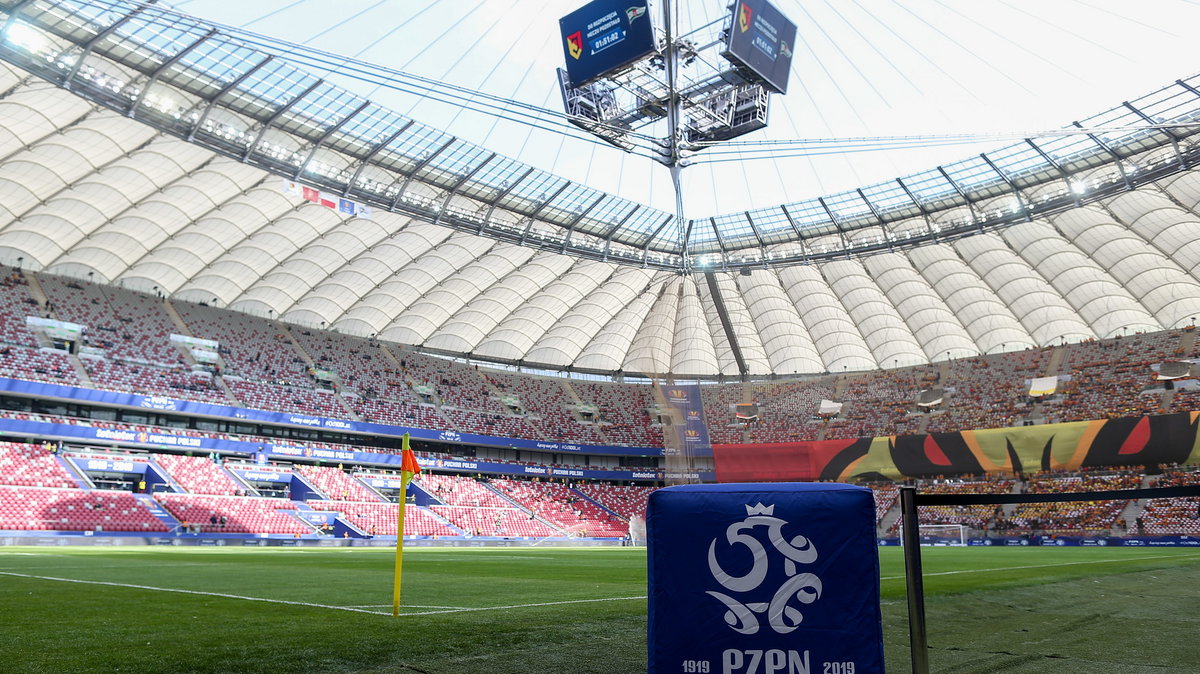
x,y
408,468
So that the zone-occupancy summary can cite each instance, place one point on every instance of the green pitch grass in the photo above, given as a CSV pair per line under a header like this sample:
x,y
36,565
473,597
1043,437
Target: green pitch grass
x,y
492,611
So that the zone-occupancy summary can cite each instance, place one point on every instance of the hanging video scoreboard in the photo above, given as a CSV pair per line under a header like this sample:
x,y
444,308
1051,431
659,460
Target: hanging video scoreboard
x,y
603,36
760,41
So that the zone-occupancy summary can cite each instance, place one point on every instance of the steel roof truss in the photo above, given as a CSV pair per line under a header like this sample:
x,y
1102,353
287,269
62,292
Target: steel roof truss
x,y
325,136
275,117
137,102
379,147
1117,160
91,44
1168,132
212,102
413,173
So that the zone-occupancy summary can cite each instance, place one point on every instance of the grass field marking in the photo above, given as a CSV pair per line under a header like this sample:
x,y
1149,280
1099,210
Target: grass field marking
x,y
1042,566
198,592
545,603
354,609
404,606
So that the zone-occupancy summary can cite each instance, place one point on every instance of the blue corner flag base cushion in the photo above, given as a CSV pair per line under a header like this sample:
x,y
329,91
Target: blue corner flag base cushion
x,y
763,579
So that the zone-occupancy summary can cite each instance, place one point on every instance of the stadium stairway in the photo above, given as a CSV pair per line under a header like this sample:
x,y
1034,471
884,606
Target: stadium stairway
x,y
316,518
888,520
516,504
81,481
299,477
1187,341
183,328
364,479
596,503
166,474
445,522
425,498
237,479
147,501
80,370
1133,508
305,514
311,362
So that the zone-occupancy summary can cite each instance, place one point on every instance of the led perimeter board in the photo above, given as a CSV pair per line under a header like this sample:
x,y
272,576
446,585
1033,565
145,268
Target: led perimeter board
x,y
603,36
761,41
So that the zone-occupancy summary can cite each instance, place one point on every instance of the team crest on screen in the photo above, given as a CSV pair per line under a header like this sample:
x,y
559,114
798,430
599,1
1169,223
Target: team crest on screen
x,y
575,44
748,598
744,17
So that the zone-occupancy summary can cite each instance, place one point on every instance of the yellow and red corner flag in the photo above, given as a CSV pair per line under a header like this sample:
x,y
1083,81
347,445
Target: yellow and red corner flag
x,y
408,468
408,460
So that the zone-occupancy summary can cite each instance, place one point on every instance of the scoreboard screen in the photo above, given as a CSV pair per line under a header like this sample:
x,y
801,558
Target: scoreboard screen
x,y
603,36
761,41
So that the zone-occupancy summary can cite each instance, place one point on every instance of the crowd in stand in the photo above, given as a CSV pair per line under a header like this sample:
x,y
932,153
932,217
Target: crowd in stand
x,y
263,363
1053,518
267,364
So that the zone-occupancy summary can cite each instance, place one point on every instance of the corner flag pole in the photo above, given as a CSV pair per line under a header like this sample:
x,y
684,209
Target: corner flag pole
x,y
408,468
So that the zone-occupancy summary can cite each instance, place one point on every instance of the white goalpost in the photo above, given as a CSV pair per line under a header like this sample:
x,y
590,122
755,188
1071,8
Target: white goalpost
x,y
942,534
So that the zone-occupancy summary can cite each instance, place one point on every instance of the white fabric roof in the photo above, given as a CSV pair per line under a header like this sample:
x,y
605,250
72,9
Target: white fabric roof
x,y
86,191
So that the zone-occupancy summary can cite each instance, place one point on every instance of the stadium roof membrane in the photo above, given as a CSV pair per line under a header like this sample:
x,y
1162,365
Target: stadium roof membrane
x,y
161,153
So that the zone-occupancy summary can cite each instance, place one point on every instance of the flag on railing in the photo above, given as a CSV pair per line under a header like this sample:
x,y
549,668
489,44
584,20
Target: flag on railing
x,y
327,199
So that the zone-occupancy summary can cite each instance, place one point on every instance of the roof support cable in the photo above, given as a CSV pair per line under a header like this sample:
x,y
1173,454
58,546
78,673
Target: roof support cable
x,y
658,230
800,238
714,291
579,218
887,233
617,226
538,211
792,221
836,224
757,234
13,14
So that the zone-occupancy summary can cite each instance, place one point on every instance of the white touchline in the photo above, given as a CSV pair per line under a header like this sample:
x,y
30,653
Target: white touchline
x,y
310,604
172,589
404,606
546,603
1041,566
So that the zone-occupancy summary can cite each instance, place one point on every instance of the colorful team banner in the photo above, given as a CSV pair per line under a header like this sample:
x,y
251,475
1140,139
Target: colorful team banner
x,y
1043,386
772,578
685,410
1134,441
